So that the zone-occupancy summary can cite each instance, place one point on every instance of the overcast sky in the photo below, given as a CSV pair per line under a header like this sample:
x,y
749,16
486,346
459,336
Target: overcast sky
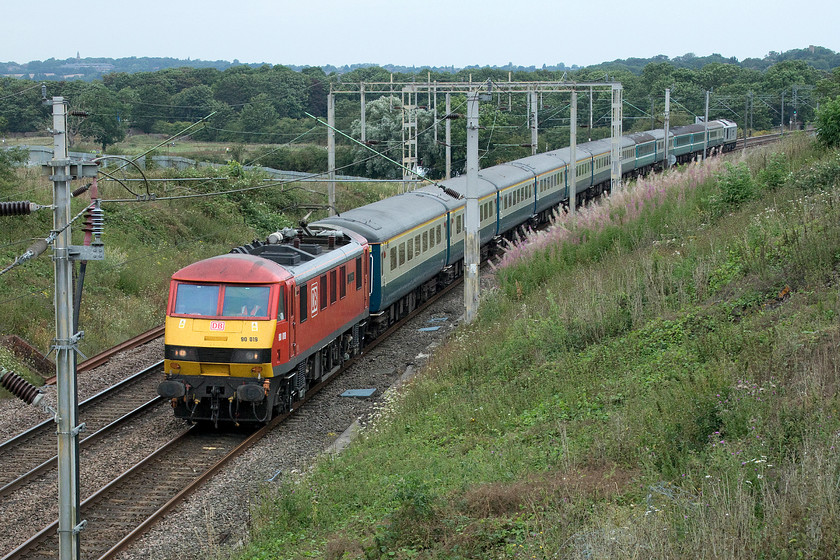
x,y
417,33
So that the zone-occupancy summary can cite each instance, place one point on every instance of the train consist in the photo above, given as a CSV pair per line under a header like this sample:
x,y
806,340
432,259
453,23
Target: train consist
x,y
249,332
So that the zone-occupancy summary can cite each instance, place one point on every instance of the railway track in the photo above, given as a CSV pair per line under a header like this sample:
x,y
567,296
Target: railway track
x,y
103,357
33,452
755,141
126,507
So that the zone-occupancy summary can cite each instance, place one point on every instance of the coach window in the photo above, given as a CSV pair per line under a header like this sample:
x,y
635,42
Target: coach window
x,y
438,234
417,244
410,244
425,241
342,276
458,224
393,258
359,273
304,307
402,254
332,287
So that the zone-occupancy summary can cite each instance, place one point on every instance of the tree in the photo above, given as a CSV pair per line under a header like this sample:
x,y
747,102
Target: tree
x,y
106,113
258,116
829,87
193,103
9,159
828,123
154,100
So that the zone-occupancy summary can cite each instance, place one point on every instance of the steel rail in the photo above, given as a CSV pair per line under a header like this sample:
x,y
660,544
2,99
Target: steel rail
x,y
45,427
103,357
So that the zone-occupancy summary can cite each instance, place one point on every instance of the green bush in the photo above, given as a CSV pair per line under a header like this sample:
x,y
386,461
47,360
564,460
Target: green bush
x,y
736,187
828,123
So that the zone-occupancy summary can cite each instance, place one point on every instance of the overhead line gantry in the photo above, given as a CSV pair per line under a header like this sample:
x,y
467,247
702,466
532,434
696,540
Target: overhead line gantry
x,y
411,91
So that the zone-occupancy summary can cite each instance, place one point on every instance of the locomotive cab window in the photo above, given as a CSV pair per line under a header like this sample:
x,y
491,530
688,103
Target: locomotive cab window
x,y
196,299
245,301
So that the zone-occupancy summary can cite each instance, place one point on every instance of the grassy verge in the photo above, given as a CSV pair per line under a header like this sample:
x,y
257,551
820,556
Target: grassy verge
x,y
663,384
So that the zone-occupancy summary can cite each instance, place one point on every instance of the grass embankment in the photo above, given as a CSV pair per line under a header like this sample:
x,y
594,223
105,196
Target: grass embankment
x,y
145,242
662,384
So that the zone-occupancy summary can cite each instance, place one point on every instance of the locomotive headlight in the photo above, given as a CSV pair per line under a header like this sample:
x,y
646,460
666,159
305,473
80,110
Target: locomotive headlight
x,y
181,353
248,356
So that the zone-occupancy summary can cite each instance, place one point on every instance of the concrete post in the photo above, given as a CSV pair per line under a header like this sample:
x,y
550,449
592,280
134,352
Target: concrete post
x,y
363,135
573,154
471,240
65,343
535,133
706,127
615,144
448,137
665,163
331,152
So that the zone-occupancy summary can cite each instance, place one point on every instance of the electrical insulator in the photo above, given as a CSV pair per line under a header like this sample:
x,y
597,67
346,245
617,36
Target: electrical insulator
x,y
21,388
454,194
80,190
94,221
15,208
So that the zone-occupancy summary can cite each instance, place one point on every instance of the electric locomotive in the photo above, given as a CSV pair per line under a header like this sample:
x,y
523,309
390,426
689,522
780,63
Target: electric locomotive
x,y
247,333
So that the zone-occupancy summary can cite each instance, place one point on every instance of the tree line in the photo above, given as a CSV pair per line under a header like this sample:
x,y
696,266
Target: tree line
x,y
267,105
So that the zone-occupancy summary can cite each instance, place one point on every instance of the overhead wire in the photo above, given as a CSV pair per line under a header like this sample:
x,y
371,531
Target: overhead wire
x,y
20,91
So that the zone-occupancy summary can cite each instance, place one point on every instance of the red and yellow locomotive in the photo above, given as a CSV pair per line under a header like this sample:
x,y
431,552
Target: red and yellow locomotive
x,y
248,332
